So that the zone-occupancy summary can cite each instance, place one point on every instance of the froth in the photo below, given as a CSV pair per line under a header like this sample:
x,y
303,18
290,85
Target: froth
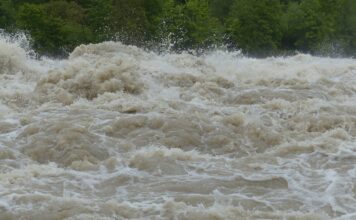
x,y
116,132
88,78
12,58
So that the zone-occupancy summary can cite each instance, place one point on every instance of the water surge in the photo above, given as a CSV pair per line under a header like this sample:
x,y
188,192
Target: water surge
x,y
116,132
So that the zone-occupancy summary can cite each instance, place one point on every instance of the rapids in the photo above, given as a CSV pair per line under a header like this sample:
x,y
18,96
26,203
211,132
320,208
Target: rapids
x,y
116,132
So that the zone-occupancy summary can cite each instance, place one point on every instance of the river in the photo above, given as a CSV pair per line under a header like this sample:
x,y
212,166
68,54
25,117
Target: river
x,y
117,132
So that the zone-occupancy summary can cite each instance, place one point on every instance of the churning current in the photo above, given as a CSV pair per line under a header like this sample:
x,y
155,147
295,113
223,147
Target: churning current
x,y
116,132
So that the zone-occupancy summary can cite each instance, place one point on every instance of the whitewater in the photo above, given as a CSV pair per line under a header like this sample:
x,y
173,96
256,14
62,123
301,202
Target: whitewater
x,y
118,132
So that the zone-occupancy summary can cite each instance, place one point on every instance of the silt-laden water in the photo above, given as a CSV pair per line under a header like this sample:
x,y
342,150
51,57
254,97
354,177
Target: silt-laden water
x,y
116,132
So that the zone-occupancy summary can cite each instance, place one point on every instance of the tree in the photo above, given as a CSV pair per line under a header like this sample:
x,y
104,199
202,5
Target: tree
x,y
221,8
98,19
311,25
7,15
258,27
346,26
191,25
255,26
55,27
129,21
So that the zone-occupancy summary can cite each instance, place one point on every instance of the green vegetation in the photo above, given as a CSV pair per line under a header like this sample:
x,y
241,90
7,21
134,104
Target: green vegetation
x,y
258,27
255,25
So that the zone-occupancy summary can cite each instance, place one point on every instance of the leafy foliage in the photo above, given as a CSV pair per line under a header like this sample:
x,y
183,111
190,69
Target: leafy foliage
x,y
254,25
190,25
7,14
56,27
258,27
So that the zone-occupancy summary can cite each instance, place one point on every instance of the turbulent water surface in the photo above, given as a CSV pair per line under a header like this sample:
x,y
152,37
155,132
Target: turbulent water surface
x,y
114,132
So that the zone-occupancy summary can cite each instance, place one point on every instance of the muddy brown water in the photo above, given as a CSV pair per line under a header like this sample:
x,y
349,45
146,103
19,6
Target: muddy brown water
x,y
116,132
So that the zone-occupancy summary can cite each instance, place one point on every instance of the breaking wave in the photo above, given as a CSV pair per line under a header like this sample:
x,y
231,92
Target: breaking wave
x,y
116,132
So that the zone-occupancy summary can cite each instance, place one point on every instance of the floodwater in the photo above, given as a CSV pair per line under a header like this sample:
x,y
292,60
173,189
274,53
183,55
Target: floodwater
x,y
116,132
